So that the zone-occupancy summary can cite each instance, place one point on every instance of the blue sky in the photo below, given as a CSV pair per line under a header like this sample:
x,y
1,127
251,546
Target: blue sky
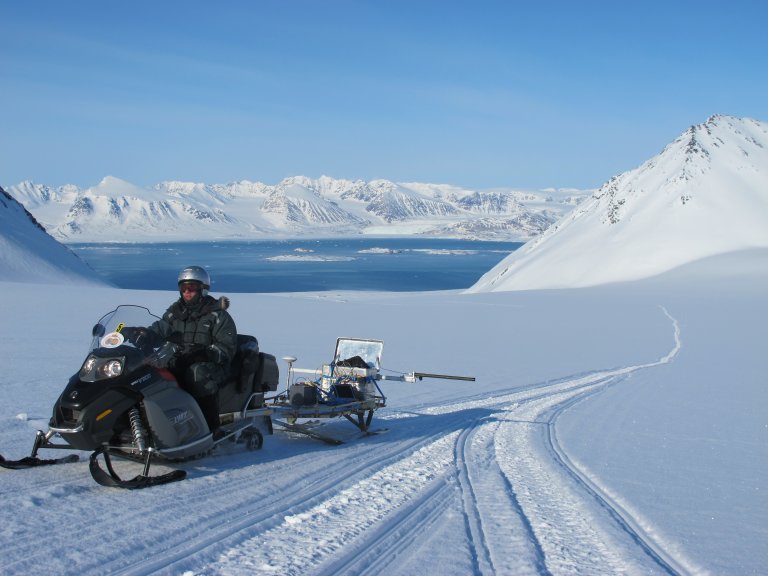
x,y
477,93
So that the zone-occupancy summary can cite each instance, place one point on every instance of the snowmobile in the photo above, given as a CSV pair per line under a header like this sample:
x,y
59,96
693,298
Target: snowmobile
x,y
123,402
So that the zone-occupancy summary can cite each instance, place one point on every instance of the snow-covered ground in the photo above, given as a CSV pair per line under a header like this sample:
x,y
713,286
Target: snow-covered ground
x,y
613,429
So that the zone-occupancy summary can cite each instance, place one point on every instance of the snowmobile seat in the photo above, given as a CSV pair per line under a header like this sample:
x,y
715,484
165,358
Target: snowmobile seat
x,y
252,372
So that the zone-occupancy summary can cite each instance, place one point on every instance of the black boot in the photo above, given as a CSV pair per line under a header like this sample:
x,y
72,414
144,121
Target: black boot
x,y
210,407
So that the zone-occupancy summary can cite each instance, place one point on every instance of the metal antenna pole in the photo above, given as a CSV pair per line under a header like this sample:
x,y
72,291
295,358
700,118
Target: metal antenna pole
x,y
290,360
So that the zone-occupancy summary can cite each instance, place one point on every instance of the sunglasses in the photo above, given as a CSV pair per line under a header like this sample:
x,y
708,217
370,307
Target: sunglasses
x,y
190,288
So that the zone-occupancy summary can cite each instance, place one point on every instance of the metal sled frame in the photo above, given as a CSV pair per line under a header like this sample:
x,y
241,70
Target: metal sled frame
x,y
359,413
327,382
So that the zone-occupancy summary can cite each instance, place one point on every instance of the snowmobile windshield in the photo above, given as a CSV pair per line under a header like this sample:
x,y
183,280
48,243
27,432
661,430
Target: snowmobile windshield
x,y
122,342
110,331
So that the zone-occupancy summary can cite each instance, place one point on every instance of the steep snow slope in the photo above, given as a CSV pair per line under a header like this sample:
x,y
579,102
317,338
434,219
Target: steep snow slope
x,y
706,193
29,254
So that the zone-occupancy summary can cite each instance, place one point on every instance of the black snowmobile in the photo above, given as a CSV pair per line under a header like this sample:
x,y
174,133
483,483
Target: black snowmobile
x,y
122,402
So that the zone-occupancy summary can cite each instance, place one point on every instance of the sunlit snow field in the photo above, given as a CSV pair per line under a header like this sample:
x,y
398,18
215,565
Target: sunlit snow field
x,y
613,429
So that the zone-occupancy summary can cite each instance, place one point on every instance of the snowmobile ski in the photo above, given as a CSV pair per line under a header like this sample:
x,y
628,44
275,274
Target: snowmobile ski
x,y
34,461
112,480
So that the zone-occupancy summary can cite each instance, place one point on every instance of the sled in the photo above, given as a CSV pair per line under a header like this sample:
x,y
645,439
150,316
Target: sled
x,y
347,387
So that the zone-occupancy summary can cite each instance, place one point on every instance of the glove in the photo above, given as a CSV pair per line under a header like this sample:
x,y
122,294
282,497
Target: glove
x,y
142,338
133,333
164,357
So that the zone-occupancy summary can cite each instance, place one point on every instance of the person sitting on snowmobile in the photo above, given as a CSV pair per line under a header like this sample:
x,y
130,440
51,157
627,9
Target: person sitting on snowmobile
x,y
207,338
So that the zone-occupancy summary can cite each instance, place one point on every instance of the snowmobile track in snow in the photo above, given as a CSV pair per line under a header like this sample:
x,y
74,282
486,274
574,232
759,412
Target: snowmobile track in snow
x,y
494,464
527,421
554,498
502,539
267,510
616,510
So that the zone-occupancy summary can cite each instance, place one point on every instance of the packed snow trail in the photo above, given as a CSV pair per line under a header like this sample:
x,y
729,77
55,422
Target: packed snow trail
x,y
525,509
489,467
502,538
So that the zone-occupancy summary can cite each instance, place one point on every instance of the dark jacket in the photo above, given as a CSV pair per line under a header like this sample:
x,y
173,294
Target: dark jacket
x,y
204,329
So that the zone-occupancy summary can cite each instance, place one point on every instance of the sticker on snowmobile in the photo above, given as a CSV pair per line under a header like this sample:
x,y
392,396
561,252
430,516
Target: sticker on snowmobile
x,y
120,327
112,340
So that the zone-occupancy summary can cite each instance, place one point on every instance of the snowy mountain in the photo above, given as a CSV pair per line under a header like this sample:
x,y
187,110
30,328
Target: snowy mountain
x,y
296,203
29,254
118,210
393,202
706,193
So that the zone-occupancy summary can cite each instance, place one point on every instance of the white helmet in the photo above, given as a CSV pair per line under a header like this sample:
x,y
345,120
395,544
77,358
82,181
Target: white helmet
x,y
195,274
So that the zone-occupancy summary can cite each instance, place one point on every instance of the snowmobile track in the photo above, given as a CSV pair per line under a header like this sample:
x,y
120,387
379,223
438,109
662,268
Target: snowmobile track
x,y
537,539
531,423
223,532
622,517
385,545
501,538
344,519
495,461
552,503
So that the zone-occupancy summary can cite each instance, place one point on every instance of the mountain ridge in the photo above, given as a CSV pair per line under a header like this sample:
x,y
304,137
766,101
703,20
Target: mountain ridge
x,y
705,193
117,210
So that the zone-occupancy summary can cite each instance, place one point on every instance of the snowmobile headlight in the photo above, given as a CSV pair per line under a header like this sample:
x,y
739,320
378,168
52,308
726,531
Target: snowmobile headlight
x,y
88,366
111,369
96,368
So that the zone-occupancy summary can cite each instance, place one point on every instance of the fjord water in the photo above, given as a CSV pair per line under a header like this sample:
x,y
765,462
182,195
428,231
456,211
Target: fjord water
x,y
301,265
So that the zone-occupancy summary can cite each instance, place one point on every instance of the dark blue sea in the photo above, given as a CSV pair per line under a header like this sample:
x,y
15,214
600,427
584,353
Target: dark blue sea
x,y
387,264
